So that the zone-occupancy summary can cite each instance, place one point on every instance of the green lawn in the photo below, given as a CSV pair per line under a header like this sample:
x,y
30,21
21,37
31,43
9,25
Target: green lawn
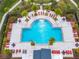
x,y
5,5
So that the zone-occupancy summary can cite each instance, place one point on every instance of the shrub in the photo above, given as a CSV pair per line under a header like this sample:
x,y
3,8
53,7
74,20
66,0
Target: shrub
x,y
32,43
7,52
51,41
58,11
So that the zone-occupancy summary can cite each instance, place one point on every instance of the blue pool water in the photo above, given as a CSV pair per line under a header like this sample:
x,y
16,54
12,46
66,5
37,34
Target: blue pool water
x,y
40,32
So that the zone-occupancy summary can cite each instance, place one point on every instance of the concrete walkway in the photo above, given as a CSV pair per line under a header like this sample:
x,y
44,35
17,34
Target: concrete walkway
x,y
74,3
4,16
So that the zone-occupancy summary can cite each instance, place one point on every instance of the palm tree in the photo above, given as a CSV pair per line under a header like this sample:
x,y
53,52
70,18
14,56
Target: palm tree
x,y
34,7
24,13
31,1
51,41
58,11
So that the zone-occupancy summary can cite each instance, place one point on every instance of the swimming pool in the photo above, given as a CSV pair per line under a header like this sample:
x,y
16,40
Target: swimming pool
x,y
40,32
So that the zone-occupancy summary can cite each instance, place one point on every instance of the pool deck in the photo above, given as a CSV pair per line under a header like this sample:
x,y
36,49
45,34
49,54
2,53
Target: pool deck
x,y
65,26
68,39
67,44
